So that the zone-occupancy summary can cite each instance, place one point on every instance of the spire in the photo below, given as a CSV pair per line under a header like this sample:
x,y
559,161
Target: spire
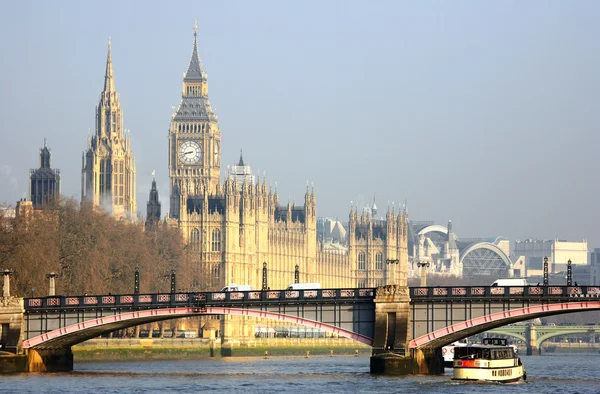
x,y
45,156
195,71
109,81
374,207
241,163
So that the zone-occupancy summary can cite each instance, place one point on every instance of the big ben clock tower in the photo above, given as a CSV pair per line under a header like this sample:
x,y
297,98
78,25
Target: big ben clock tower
x,y
194,140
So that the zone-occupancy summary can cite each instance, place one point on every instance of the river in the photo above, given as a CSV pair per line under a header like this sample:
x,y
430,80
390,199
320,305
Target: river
x,y
552,373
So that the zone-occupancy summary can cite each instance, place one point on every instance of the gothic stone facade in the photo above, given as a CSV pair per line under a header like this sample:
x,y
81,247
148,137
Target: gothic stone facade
x,y
108,166
236,226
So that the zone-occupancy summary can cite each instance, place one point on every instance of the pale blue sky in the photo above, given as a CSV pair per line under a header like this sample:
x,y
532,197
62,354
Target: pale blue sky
x,y
482,112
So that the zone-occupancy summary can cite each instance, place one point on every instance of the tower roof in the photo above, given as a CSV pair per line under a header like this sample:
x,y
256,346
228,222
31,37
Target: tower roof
x,y
45,156
195,106
109,80
195,71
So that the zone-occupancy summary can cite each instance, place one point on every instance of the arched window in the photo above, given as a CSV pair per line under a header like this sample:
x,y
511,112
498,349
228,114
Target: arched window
x,y
362,262
379,261
215,241
195,240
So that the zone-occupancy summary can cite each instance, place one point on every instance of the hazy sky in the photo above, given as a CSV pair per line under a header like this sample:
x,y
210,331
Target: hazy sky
x,y
482,112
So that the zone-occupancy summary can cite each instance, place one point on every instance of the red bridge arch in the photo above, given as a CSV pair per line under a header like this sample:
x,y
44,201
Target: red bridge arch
x,y
79,332
447,335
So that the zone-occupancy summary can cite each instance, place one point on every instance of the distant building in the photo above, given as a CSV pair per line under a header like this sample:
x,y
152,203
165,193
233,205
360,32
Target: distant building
x,y
595,267
559,252
480,259
153,205
241,173
331,231
44,182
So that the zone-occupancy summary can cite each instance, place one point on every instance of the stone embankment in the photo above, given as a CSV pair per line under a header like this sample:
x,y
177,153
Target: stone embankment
x,y
180,348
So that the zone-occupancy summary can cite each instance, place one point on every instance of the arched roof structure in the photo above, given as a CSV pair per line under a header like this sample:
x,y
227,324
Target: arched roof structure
x,y
484,259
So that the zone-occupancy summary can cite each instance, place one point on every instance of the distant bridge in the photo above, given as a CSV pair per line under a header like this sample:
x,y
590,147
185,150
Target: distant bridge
x,y
533,336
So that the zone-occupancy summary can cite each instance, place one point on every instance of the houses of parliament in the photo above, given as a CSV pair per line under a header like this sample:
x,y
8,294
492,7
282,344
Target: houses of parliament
x,y
233,222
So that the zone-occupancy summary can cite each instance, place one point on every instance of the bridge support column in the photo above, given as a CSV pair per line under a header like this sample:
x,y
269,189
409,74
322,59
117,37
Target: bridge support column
x,y
49,360
11,324
531,337
11,333
392,333
428,361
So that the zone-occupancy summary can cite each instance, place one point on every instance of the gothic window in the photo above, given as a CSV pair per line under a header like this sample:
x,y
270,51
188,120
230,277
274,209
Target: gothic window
x,y
216,241
195,240
362,283
362,262
379,261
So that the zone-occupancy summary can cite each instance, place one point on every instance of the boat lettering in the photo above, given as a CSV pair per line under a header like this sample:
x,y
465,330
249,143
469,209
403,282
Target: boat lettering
x,y
502,372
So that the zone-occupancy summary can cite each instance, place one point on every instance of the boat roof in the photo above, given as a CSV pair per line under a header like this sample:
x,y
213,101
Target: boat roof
x,y
481,346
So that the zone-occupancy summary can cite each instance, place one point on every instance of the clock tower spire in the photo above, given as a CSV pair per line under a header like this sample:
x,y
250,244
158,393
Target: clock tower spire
x,y
194,140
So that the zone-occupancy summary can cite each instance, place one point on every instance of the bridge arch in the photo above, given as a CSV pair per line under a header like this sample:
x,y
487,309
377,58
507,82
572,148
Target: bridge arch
x,y
575,330
455,332
79,332
500,331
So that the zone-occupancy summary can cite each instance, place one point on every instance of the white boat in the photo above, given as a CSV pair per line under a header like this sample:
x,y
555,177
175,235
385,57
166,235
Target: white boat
x,y
492,361
448,352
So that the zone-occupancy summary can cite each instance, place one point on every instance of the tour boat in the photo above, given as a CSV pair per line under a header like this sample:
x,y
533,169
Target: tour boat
x,y
492,361
448,352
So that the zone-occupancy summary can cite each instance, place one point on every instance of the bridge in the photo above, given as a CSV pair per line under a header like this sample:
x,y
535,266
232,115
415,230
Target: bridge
x,y
406,327
533,336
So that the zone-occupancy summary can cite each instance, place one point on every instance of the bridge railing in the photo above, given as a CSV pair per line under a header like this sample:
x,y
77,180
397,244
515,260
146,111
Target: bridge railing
x,y
504,292
194,299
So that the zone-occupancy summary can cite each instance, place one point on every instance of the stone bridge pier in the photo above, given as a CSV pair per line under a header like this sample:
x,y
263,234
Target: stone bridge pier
x,y
391,354
531,341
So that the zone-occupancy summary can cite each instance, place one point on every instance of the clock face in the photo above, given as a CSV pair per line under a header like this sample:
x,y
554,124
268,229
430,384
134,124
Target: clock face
x,y
190,152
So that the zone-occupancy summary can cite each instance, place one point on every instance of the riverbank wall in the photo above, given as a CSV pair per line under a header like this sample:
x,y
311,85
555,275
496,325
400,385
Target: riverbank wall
x,y
172,349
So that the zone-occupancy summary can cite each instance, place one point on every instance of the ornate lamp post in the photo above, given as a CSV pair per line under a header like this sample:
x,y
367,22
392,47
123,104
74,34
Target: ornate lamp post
x,y
136,281
264,277
546,271
173,282
297,274
569,273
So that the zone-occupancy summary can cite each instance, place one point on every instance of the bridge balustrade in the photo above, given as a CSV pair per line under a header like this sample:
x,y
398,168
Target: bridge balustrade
x,y
491,292
193,299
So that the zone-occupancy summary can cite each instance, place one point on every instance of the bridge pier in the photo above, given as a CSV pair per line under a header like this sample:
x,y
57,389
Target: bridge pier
x,y
12,358
50,360
391,354
532,346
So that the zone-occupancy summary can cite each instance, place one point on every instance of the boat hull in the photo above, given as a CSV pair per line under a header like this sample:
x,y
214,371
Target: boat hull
x,y
500,375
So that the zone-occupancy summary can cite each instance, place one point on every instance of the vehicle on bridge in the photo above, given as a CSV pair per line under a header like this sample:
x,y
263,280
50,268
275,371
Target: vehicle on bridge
x,y
304,286
234,287
492,361
512,282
